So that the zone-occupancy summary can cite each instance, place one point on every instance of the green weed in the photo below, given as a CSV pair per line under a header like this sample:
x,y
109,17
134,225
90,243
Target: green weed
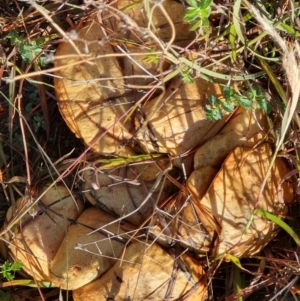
x,y
8,269
251,98
29,50
197,15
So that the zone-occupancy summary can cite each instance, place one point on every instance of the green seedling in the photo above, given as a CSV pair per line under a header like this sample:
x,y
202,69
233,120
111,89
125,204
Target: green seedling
x,y
252,98
29,50
151,58
197,15
8,269
187,75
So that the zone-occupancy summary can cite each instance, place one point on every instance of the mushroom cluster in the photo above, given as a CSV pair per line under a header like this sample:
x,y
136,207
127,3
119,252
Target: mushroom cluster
x,y
145,228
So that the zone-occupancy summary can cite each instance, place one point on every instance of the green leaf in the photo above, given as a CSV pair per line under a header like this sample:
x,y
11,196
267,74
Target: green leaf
x,y
205,12
213,100
232,41
196,25
151,58
213,114
236,21
235,260
187,77
191,15
285,27
14,38
29,50
120,161
245,102
265,106
227,92
8,268
280,223
204,4
17,265
274,79
192,3
228,107
197,15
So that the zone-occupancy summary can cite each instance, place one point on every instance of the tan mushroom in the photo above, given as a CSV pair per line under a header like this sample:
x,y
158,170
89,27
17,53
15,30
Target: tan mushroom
x,y
177,121
235,194
100,79
159,18
244,128
130,192
223,219
147,272
91,91
83,256
39,236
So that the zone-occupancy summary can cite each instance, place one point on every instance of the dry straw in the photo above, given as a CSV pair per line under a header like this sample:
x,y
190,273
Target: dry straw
x,y
290,63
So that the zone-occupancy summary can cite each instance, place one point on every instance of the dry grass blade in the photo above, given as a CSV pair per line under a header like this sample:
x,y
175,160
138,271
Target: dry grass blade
x,y
290,63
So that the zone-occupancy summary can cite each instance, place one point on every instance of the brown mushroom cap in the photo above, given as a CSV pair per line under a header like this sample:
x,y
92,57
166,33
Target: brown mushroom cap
x,y
103,75
161,16
145,273
91,92
122,191
82,256
244,128
216,214
177,120
42,235
234,195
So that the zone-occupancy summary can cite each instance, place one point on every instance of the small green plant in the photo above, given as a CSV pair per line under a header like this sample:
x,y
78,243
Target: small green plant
x,y
9,268
187,75
197,15
151,58
253,98
28,49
